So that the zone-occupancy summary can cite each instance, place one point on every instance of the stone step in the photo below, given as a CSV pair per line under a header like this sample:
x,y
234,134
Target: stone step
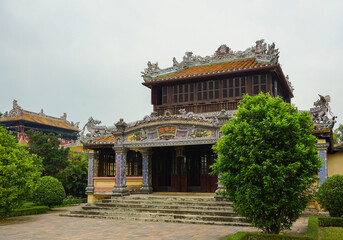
x,y
137,218
185,211
167,199
162,205
162,201
197,210
161,215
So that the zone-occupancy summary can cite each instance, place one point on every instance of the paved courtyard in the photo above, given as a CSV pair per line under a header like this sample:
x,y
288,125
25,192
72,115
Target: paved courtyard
x,y
53,226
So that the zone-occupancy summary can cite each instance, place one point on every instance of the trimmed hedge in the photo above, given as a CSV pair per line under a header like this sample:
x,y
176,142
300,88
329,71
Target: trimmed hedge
x,y
330,222
312,234
25,211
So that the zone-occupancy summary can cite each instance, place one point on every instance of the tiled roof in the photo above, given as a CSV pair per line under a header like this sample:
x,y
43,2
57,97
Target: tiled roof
x,y
215,68
104,140
40,120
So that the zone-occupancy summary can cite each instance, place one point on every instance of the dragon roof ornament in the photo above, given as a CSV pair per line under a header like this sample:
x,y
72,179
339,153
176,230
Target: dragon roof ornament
x,y
321,113
261,51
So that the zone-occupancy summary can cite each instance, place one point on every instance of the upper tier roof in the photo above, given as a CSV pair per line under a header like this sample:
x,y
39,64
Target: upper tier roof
x,y
19,114
224,60
214,68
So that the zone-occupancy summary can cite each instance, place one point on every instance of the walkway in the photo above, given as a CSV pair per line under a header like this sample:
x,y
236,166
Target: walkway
x,y
53,226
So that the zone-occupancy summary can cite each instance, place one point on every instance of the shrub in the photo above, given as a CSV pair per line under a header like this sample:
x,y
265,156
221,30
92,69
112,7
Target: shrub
x,y
69,200
267,161
330,195
49,192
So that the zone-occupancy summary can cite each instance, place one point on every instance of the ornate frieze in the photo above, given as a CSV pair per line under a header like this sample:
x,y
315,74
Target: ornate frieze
x,y
261,51
186,128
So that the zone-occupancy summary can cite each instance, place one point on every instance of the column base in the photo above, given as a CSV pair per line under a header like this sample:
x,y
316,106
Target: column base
x,y
120,191
89,190
146,189
220,192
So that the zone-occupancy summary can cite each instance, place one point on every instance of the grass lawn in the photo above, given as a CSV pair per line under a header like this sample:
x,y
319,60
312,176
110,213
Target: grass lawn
x,y
331,233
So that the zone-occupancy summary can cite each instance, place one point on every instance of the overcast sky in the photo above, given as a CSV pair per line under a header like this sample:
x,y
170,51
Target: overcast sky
x,y
85,57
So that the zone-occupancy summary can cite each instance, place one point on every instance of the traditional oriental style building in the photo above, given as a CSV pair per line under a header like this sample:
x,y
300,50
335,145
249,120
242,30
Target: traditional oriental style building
x,y
171,149
20,120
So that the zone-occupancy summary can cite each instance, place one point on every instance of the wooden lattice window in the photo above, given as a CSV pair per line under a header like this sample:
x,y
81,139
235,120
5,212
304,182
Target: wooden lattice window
x,y
259,84
164,95
109,165
234,87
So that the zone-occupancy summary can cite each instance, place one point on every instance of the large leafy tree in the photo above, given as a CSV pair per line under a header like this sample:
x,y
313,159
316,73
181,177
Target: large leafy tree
x,y
267,162
19,171
74,176
47,146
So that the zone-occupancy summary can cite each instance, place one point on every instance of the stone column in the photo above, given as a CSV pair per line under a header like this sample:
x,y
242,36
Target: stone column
x,y
322,148
147,171
220,192
120,188
90,186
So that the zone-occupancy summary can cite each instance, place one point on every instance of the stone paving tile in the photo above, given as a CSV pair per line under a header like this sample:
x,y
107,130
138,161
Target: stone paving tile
x,y
53,226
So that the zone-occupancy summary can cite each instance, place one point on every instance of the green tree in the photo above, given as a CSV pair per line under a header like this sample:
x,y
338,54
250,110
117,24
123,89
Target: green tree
x,y
74,176
19,171
338,134
55,159
330,195
267,162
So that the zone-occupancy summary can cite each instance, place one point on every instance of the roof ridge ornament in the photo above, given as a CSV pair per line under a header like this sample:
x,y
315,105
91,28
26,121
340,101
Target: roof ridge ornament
x,y
263,52
320,113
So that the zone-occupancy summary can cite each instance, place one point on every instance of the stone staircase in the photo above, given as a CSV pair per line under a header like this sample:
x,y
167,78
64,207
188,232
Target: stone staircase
x,y
195,210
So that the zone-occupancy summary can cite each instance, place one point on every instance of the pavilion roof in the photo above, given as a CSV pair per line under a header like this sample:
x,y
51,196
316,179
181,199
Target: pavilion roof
x,y
229,66
19,114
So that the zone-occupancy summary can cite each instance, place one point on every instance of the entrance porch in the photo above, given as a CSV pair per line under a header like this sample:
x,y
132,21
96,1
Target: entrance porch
x,y
120,172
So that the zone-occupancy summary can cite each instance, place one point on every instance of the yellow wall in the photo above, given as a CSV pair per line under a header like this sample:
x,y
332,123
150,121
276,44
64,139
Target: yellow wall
x,y
103,187
335,163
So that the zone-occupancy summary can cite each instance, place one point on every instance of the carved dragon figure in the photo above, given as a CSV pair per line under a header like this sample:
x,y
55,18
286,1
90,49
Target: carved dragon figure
x,y
320,113
94,130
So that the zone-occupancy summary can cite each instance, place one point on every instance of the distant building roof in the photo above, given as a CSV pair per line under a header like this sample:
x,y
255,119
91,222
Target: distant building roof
x,y
19,114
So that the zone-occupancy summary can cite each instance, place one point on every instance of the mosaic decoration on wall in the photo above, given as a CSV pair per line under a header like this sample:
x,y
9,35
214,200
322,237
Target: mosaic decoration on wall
x,y
181,133
203,133
118,168
152,135
166,130
134,137
90,171
322,171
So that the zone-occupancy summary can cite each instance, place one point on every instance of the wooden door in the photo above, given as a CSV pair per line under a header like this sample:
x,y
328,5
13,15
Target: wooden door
x,y
204,174
183,174
175,175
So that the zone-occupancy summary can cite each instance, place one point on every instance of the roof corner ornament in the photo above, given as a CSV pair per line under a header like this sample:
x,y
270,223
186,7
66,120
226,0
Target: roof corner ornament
x,y
289,84
64,116
95,130
16,110
176,64
320,113
152,68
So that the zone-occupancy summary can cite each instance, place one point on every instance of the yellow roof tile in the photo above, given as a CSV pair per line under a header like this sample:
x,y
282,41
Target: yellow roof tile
x,y
41,120
213,68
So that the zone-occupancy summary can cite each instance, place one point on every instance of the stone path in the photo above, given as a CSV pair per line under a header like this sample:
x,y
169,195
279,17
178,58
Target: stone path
x,y
53,226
